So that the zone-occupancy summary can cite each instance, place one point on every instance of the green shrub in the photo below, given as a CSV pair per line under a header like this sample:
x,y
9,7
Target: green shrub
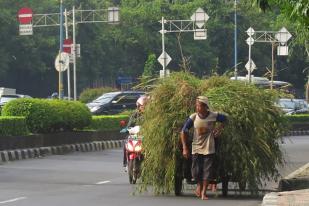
x,y
90,94
13,126
107,122
298,118
43,116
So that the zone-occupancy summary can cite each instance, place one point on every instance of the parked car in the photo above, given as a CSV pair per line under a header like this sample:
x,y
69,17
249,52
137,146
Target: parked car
x,y
293,106
114,102
5,98
301,106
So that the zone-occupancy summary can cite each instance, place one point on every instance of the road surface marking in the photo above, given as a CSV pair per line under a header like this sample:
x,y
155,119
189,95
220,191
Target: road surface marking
x,y
102,182
13,200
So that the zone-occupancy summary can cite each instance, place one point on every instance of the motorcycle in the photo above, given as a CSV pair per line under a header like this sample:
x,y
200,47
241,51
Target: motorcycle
x,y
134,156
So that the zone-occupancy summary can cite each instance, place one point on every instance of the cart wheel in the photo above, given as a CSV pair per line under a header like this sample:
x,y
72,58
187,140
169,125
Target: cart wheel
x,y
225,187
178,185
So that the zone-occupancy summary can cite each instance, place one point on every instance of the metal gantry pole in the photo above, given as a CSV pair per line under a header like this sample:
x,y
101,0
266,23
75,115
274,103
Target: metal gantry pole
x,y
235,40
60,51
250,64
163,48
74,53
272,64
68,71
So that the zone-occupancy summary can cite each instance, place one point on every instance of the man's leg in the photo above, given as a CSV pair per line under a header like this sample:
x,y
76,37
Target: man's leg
x,y
198,190
207,169
203,194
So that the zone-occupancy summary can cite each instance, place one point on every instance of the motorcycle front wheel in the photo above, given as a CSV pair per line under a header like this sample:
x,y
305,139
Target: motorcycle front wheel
x,y
130,171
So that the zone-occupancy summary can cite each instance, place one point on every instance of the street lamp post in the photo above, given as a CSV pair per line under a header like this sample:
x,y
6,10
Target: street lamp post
x,y
278,38
196,25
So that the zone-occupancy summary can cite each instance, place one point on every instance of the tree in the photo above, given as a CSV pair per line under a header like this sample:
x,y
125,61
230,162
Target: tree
x,y
149,68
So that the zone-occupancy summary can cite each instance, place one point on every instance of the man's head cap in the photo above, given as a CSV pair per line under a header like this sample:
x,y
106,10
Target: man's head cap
x,y
203,99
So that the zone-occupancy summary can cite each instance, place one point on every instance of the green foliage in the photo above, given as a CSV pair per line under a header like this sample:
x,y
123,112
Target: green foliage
x,y
149,67
296,11
90,94
43,116
107,122
13,126
298,118
112,50
249,149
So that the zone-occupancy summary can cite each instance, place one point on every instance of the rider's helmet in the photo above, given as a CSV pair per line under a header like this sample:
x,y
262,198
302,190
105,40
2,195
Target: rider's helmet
x,y
142,100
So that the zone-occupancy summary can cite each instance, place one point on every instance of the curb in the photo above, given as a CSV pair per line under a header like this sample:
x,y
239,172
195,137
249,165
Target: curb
x,y
294,181
21,154
295,198
297,133
292,188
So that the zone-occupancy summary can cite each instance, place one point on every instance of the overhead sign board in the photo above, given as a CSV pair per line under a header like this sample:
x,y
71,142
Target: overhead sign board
x,y
282,50
25,15
250,40
200,34
250,31
67,45
164,58
62,62
199,17
250,66
283,35
25,29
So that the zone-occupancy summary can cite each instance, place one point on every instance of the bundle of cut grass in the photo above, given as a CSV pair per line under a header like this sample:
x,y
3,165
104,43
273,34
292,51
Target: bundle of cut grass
x,y
248,146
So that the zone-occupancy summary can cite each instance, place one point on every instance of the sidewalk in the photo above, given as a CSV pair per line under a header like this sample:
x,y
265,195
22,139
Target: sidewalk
x,y
295,189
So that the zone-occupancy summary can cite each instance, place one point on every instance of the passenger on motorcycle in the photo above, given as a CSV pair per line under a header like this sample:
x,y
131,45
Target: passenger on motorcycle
x,y
203,145
134,119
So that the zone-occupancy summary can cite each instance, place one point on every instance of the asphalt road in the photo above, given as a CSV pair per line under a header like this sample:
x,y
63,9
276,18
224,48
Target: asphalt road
x,y
97,178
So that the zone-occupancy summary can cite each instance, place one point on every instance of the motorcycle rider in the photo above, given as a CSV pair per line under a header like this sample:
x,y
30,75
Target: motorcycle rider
x,y
134,119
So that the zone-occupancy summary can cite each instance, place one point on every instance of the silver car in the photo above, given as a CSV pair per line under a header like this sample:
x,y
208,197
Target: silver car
x,y
293,106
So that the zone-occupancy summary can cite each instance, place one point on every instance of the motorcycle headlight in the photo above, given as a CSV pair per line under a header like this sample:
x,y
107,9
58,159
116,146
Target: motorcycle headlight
x,y
138,148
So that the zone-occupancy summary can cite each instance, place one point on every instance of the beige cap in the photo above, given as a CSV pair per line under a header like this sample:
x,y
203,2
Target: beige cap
x,y
203,99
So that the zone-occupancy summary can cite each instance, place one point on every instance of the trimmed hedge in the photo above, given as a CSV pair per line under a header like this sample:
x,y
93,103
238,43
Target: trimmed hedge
x,y
107,122
45,116
298,118
13,126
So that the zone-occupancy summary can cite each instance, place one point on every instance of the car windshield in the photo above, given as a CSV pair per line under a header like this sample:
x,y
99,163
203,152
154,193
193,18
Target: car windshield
x,y
287,104
105,98
7,99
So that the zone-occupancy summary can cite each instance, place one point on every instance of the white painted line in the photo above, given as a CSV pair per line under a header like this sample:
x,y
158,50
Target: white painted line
x,y
102,182
13,200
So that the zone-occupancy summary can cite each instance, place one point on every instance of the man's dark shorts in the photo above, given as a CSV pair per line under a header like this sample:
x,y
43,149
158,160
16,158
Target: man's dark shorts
x,y
202,166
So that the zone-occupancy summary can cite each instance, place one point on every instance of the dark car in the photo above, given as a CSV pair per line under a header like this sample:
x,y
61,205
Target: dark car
x,y
9,97
114,102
